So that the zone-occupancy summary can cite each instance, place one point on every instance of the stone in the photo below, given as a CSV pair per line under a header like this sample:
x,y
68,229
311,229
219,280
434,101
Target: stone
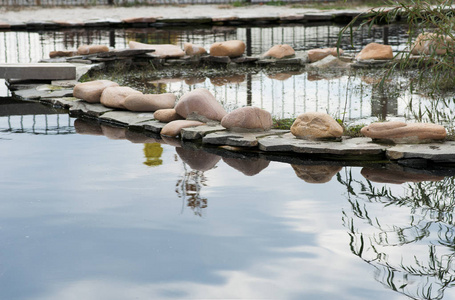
x,y
279,51
173,128
115,96
429,43
92,49
237,139
161,51
198,133
88,109
200,104
328,62
438,152
316,173
39,71
249,167
149,102
232,48
91,91
68,53
316,125
167,115
318,54
220,81
193,50
199,160
246,119
375,51
139,20
127,118
400,132
396,176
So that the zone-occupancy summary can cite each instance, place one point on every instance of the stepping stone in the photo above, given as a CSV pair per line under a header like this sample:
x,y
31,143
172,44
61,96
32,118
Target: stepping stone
x,y
38,71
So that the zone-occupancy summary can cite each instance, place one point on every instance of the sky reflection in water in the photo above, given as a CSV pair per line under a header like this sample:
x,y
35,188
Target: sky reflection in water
x,y
85,217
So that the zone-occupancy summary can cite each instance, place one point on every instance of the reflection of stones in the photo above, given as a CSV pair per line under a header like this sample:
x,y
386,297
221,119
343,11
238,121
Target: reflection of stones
x,y
139,138
220,81
114,133
375,51
198,159
201,105
149,102
248,119
400,132
316,174
279,51
232,48
167,115
152,153
249,167
173,128
161,51
280,76
396,176
316,125
171,141
91,49
312,76
115,96
91,91
194,80
87,127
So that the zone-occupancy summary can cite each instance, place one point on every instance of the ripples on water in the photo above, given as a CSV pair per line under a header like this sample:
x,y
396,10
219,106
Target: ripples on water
x,y
113,214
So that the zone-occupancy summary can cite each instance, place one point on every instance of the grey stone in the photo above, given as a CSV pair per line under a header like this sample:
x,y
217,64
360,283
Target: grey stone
x,y
319,16
244,59
349,146
65,102
83,69
153,126
442,152
216,59
90,109
328,62
34,94
249,139
196,133
64,83
126,117
42,71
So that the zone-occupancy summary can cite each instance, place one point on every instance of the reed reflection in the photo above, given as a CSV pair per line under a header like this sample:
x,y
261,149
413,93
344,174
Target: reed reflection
x,y
408,234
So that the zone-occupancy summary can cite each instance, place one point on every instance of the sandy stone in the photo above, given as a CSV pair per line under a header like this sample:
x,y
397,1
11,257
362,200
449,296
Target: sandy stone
x,y
316,174
318,54
279,51
396,176
161,51
199,160
54,54
316,125
91,91
400,132
247,119
427,43
167,115
115,96
232,48
149,102
249,167
173,128
375,51
193,50
91,49
200,104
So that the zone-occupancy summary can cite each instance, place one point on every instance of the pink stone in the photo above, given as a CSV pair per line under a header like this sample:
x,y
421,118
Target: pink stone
x,y
161,51
149,102
233,48
200,104
316,125
167,115
318,54
280,51
91,91
115,96
91,49
173,128
248,119
375,51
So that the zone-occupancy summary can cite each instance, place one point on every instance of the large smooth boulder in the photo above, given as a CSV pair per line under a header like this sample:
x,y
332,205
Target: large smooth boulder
x,y
401,132
115,96
316,173
233,48
248,119
316,125
167,115
173,128
149,102
429,43
161,51
200,104
91,91
279,51
375,51
92,49
318,54
193,50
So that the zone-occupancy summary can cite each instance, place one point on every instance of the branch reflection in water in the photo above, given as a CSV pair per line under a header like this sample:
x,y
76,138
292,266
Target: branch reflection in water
x,y
409,239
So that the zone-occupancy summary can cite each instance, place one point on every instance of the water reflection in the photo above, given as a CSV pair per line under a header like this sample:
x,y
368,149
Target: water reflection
x,y
248,166
316,173
408,237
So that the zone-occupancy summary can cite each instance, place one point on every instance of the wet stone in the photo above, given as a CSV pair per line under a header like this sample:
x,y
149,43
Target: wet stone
x,y
126,117
196,133
216,59
153,126
89,109
65,102
249,139
439,152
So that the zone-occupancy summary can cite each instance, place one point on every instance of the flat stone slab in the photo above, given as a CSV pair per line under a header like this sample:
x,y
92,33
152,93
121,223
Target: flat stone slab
x,y
40,71
438,152
347,146
126,118
240,139
198,132
34,94
65,102
90,109
153,126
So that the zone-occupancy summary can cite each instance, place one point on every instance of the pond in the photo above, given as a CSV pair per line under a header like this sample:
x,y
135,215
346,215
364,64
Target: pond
x,y
90,211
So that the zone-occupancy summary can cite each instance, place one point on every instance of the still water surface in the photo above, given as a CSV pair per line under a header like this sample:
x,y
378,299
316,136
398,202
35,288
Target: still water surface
x,y
92,217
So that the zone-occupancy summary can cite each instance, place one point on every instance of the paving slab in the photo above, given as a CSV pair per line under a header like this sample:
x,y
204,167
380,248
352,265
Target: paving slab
x,y
34,94
40,71
240,139
153,126
347,146
65,102
438,152
88,109
198,132
126,118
